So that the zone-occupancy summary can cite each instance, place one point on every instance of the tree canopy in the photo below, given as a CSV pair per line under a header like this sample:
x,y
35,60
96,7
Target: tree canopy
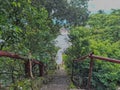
x,y
26,29
75,12
103,38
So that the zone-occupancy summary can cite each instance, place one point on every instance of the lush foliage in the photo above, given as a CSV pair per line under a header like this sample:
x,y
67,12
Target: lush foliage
x,y
26,30
100,36
75,12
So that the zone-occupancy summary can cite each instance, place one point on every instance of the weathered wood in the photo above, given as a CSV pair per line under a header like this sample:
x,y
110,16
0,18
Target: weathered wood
x,y
92,56
27,62
11,55
105,59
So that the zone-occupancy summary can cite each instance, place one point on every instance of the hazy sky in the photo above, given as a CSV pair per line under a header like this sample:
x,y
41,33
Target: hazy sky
x,y
95,5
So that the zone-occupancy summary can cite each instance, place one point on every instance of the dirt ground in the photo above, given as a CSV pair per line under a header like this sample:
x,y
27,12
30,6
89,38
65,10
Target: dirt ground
x,y
59,82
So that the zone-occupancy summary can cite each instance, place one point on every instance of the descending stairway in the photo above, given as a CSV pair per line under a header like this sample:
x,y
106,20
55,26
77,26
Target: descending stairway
x,y
59,82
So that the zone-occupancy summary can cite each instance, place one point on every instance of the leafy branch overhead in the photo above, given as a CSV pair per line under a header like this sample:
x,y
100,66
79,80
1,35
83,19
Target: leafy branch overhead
x,y
75,12
25,29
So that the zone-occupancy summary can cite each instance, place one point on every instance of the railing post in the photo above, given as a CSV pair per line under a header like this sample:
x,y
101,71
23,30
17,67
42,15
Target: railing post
x,y
90,73
28,69
41,68
72,70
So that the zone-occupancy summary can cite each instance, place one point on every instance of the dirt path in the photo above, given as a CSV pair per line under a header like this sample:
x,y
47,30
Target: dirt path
x,y
59,82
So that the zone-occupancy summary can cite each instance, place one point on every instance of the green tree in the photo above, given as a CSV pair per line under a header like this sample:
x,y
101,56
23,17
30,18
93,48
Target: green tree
x,y
73,11
101,37
25,28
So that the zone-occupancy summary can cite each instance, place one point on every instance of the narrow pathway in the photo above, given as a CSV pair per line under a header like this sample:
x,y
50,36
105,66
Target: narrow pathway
x,y
59,82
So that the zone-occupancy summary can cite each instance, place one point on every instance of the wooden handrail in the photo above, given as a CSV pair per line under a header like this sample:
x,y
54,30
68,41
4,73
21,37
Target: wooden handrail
x,y
92,57
82,58
16,56
11,55
105,59
28,62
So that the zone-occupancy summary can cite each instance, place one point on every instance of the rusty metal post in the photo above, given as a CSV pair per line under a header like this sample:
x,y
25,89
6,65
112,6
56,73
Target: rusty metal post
x,y
41,68
72,70
90,73
27,69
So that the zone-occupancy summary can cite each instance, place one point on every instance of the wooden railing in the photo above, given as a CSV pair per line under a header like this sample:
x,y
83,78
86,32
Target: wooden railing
x,y
92,58
28,63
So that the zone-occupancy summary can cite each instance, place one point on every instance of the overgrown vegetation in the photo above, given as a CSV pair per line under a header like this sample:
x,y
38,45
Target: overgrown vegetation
x,y
28,27
100,36
26,30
